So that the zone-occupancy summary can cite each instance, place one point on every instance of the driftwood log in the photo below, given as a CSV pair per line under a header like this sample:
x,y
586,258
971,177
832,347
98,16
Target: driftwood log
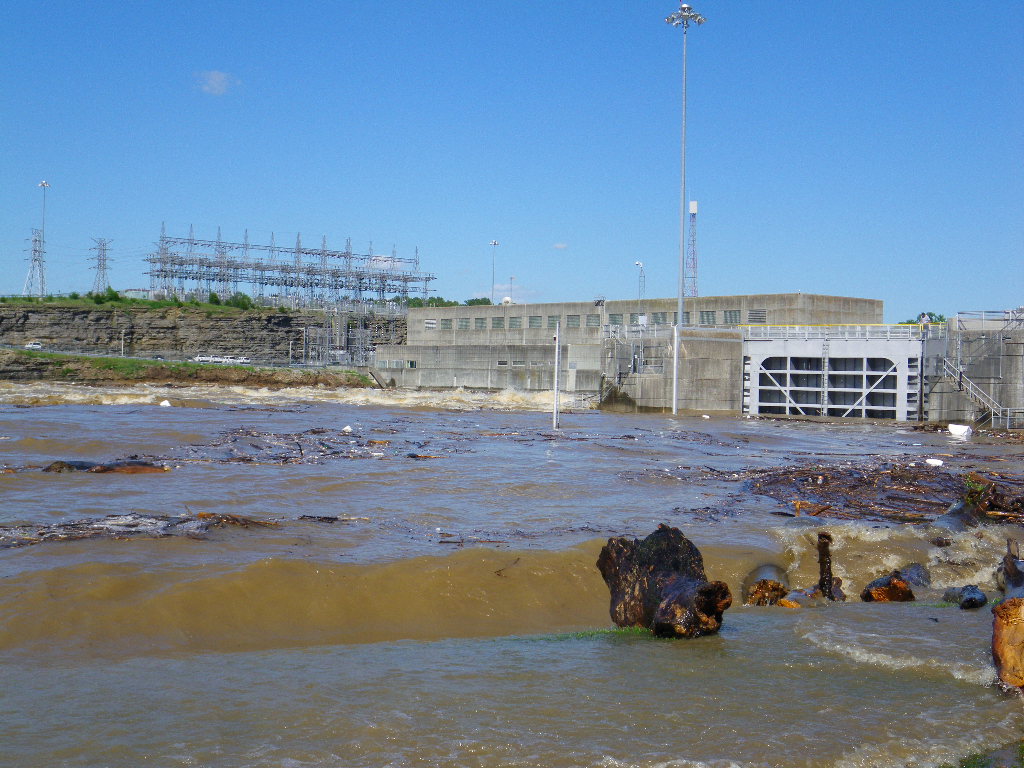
x,y
1008,620
660,583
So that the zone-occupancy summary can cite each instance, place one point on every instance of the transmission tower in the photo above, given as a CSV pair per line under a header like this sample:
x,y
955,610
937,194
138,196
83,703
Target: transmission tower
x,y
35,281
690,279
102,280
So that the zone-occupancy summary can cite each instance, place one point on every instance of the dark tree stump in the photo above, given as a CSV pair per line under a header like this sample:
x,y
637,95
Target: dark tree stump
x,y
659,583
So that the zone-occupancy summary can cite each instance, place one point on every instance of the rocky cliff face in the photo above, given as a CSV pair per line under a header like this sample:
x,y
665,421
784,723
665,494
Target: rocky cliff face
x,y
172,332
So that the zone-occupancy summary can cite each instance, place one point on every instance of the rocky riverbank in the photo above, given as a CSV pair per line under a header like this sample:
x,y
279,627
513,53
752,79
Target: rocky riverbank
x,y
17,365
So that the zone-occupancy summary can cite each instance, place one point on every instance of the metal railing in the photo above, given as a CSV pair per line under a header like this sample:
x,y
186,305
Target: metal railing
x,y
880,331
1010,417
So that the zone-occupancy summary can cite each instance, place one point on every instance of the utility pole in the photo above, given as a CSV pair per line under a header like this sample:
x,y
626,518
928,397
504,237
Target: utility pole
x,y
684,17
558,365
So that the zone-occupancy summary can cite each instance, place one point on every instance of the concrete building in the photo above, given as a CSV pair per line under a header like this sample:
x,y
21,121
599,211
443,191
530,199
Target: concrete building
x,y
764,354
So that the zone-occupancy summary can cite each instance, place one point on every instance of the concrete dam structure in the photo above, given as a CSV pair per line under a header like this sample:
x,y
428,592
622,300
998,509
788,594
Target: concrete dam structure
x,y
801,355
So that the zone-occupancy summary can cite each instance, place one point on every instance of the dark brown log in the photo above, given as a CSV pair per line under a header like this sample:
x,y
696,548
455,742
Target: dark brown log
x,y
824,564
660,583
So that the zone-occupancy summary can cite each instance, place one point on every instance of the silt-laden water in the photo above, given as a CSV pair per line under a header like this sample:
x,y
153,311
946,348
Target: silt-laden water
x,y
452,615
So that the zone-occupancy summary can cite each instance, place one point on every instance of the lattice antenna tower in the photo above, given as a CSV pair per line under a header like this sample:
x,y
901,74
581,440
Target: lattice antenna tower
x,y
690,273
102,259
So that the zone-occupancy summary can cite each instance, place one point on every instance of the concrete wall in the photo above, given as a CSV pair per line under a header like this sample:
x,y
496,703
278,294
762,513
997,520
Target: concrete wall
x,y
588,322
503,366
993,358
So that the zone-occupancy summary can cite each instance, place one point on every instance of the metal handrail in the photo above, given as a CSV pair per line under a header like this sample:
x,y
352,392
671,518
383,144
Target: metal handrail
x,y
976,393
855,331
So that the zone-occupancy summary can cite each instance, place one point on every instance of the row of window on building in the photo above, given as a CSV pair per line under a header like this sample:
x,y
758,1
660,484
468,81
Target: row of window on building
x,y
705,317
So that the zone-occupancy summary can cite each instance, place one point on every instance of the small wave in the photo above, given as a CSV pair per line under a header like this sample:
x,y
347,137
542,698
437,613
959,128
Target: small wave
x,y
611,762
863,551
916,753
50,393
828,639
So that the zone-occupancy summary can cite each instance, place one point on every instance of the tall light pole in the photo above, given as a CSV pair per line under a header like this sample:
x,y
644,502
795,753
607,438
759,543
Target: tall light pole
x,y
640,284
684,17
494,250
45,185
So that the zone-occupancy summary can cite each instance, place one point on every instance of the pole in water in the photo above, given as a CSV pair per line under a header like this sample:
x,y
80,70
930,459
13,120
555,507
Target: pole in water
x,y
558,365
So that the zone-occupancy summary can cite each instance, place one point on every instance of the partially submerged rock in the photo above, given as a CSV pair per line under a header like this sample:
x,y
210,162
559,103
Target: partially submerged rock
x,y
123,467
967,597
765,585
660,583
888,589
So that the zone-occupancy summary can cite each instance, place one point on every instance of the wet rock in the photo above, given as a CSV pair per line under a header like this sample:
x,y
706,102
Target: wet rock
x,y
959,517
124,467
966,597
660,583
891,588
1008,621
765,585
70,466
131,467
916,575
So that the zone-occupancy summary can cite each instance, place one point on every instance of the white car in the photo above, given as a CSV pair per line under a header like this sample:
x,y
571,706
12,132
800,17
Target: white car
x,y
33,345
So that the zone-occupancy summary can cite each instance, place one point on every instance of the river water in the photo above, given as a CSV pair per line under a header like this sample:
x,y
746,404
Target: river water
x,y
452,614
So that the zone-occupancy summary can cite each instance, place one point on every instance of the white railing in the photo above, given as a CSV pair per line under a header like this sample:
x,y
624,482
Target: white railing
x,y
1010,417
926,331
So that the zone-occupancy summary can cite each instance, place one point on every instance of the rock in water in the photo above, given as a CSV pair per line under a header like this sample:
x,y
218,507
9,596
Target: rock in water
x,y
765,585
967,597
891,588
660,583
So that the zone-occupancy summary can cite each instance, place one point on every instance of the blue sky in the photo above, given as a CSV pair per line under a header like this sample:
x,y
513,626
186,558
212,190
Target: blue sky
x,y
863,149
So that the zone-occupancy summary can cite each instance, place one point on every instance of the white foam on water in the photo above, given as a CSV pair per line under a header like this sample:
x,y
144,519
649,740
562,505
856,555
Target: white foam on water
x,y
52,393
966,673
917,753
611,762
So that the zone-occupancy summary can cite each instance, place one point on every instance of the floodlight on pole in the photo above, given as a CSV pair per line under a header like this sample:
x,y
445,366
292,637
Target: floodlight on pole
x,y
684,17
642,280
45,185
494,250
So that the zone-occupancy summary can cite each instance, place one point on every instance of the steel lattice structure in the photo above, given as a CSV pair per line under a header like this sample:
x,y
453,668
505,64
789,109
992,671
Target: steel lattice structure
x,y
298,277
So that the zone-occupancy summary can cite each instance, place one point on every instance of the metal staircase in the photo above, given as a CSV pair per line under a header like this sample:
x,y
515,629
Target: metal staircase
x,y
999,416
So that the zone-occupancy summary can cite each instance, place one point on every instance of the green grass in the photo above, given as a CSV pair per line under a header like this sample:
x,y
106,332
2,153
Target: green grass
x,y
983,761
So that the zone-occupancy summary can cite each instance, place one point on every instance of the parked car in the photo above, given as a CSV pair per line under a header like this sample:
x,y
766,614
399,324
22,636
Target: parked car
x,y
33,345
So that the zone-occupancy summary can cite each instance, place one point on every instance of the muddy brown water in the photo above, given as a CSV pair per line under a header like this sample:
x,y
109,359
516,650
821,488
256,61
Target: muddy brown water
x,y
453,614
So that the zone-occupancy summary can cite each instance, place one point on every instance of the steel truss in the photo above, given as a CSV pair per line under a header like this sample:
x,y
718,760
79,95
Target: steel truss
x,y
298,277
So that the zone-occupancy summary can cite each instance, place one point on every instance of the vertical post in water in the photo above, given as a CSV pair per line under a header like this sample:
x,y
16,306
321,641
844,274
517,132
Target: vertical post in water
x,y
558,366
675,368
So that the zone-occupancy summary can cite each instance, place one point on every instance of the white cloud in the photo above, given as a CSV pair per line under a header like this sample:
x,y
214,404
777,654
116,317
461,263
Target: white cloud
x,y
215,82
560,246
